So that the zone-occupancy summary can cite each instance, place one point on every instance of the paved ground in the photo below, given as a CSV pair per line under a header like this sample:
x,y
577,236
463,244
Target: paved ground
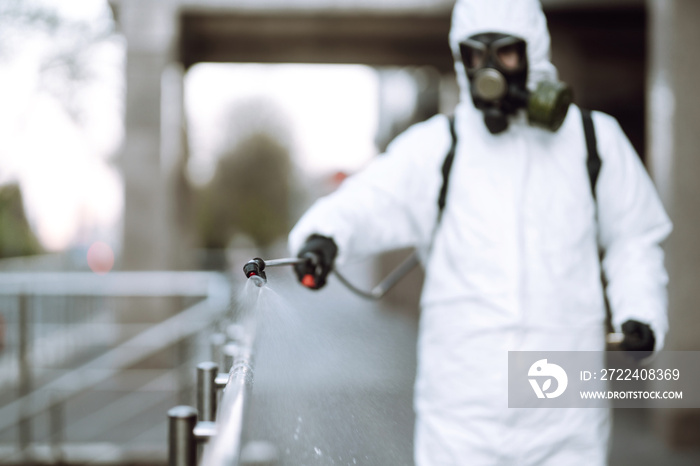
x,y
334,379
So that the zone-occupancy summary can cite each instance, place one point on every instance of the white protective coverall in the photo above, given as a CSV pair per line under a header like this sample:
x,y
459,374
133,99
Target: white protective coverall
x,y
514,263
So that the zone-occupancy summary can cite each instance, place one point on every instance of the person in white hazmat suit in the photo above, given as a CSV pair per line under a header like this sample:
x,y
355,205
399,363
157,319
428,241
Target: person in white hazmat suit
x,y
513,263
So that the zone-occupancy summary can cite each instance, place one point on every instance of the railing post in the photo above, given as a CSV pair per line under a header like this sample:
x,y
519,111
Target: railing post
x,y
25,374
217,341
182,446
56,423
231,352
206,390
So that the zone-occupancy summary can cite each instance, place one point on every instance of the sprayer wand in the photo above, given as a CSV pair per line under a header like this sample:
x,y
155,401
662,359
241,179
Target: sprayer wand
x,y
256,268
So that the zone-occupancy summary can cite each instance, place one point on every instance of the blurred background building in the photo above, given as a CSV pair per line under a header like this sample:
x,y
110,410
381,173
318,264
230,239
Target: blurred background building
x,y
173,131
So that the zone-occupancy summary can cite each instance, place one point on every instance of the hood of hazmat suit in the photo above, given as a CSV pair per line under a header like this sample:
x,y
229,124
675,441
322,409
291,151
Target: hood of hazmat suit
x,y
513,264
522,19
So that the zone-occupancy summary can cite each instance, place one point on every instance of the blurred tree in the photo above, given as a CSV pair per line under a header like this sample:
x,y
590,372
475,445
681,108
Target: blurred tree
x,y
16,238
250,191
67,51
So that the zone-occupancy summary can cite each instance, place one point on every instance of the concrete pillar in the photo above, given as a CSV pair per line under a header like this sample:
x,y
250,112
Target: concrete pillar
x,y
151,147
674,110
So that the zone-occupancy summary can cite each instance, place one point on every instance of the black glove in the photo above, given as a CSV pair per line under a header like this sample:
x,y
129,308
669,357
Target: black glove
x,y
639,339
320,252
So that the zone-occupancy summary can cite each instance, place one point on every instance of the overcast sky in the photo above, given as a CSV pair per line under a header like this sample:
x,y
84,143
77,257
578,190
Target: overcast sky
x,y
64,168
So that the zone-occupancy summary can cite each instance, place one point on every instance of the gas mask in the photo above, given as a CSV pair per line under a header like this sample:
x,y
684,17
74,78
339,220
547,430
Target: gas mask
x,y
496,66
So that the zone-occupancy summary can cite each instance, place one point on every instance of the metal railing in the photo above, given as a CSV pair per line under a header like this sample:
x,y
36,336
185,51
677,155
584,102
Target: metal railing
x,y
76,340
219,430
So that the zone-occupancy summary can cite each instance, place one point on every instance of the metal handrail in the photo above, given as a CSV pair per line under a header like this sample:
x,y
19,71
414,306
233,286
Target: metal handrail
x,y
213,287
155,284
224,448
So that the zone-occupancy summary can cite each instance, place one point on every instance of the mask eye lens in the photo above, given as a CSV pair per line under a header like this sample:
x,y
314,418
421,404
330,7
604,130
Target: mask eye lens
x,y
511,57
476,59
473,55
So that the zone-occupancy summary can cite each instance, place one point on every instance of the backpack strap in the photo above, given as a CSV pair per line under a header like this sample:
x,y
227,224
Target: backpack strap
x,y
593,161
446,168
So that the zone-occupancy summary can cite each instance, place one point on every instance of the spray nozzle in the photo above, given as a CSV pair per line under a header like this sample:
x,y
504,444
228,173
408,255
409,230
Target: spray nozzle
x,y
255,268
